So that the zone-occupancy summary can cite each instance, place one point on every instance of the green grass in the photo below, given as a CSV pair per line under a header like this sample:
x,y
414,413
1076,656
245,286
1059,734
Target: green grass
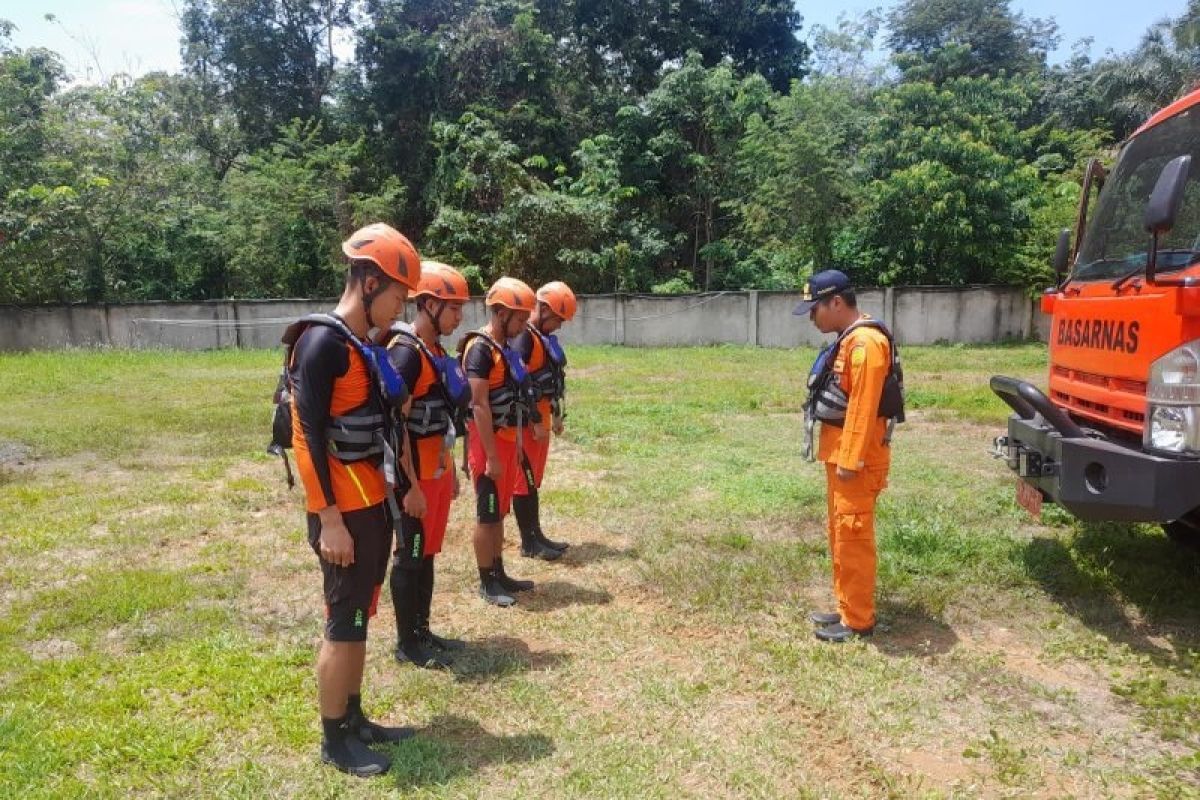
x,y
160,609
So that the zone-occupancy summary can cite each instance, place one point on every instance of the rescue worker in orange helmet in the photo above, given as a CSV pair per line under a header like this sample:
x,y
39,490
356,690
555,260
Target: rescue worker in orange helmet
x,y
856,393
434,417
341,398
546,363
502,404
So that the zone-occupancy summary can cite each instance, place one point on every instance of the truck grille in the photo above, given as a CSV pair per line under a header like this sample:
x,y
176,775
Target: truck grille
x,y
1093,409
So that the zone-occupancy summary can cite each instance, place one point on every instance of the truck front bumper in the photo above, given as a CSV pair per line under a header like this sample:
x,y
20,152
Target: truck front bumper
x,y
1094,479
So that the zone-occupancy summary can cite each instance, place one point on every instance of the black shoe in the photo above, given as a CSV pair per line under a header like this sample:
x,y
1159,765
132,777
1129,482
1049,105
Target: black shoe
x,y
431,639
842,633
418,655
534,548
824,618
508,583
495,594
373,733
351,755
553,545
513,585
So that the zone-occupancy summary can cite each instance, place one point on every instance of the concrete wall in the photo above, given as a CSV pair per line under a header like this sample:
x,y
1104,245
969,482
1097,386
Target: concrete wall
x,y
917,315
975,316
779,327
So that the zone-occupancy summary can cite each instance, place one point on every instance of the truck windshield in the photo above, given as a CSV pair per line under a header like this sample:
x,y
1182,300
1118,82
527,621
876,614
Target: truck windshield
x,y
1115,242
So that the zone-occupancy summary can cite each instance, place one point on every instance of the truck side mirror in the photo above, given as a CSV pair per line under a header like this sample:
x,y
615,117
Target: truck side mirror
x,y
1167,196
1062,252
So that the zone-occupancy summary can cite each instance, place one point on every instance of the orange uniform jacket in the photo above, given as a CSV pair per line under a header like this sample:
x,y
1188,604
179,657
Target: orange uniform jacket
x,y
421,375
533,362
329,379
481,360
862,363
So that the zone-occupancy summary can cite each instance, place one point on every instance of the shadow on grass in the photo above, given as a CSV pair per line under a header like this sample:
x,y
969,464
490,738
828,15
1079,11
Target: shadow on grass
x,y
553,595
909,630
1106,568
451,746
584,553
499,656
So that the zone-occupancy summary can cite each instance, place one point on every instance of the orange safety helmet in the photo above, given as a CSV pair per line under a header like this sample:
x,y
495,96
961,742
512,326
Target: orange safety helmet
x,y
511,293
388,249
441,281
559,297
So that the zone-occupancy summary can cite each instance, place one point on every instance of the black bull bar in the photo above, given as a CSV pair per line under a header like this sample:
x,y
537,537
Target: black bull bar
x,y
1091,476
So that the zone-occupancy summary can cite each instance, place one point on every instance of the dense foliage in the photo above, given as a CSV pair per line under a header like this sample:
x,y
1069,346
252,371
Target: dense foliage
x,y
623,145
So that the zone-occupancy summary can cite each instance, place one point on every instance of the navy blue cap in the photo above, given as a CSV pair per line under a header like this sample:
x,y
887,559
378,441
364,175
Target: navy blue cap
x,y
818,287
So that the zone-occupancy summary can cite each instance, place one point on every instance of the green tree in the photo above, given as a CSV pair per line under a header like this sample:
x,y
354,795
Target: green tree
x,y
107,212
288,208
938,40
273,60
796,175
951,196
681,143
633,41
1164,66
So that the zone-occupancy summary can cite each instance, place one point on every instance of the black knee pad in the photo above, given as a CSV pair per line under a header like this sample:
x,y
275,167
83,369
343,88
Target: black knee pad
x,y
410,548
347,623
487,501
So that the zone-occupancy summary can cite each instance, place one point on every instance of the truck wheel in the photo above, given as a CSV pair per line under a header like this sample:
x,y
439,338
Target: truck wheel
x,y
1185,530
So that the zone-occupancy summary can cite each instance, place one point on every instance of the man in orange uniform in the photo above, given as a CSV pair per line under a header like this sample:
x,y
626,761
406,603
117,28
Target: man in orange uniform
x,y
440,396
855,391
500,410
546,362
341,435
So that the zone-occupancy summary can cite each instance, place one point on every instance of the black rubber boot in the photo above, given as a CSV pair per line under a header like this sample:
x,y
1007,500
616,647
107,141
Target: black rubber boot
x,y
443,643
491,590
841,633
413,651
559,546
509,584
425,600
372,732
527,510
536,549
342,748
406,600
823,618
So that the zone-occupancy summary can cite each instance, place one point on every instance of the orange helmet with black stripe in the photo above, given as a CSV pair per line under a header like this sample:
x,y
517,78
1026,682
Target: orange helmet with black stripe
x,y
512,294
388,249
559,298
441,281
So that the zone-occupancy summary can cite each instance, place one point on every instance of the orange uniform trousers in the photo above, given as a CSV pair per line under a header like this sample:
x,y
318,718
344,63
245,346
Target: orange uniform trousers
x,y
506,449
537,452
852,541
439,495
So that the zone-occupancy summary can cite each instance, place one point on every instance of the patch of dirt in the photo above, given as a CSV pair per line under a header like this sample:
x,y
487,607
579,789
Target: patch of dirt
x,y
940,768
51,649
14,454
1074,699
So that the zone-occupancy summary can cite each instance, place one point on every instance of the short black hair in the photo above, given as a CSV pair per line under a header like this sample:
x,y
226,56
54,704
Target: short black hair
x,y
359,269
847,296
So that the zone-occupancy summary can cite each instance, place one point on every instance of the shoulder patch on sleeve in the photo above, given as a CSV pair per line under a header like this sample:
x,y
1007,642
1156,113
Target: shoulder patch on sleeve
x,y
858,355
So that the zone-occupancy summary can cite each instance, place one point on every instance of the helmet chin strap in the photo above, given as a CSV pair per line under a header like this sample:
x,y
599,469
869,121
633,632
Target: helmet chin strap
x,y
436,319
369,297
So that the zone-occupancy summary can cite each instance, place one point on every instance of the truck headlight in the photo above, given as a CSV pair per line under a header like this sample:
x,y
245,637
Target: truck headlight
x,y
1173,402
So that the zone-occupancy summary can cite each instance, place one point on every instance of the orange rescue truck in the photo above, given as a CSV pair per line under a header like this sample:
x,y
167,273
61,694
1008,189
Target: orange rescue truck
x,y
1118,437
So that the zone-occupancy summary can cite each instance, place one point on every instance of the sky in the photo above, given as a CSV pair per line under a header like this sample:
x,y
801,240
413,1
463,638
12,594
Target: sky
x,y
101,38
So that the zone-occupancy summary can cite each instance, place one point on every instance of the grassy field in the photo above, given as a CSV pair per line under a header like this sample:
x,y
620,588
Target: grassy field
x,y
160,609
